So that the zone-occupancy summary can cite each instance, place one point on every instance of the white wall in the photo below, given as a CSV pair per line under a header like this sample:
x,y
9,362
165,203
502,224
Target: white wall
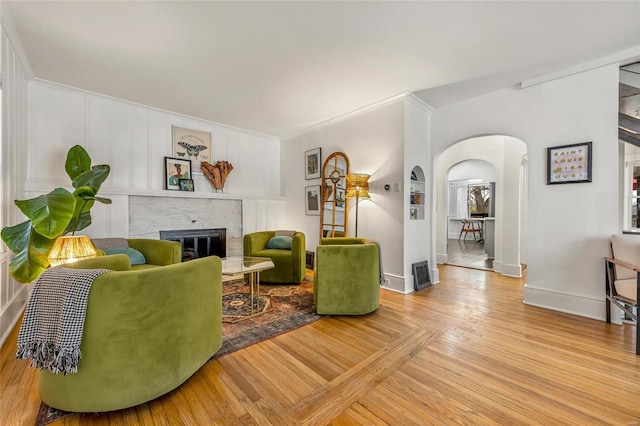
x,y
373,141
569,225
134,139
13,165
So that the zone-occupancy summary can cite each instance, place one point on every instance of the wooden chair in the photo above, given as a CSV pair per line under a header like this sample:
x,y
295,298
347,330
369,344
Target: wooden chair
x,y
472,226
623,279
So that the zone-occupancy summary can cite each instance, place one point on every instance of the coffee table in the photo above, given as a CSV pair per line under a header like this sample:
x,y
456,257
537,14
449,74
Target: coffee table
x,y
251,266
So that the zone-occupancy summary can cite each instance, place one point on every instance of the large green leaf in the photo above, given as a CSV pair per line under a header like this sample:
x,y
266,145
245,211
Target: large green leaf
x,y
78,161
50,213
16,237
78,223
92,178
31,251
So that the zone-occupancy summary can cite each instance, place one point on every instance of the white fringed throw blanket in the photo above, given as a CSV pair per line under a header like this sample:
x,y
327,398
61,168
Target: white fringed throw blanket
x,y
53,321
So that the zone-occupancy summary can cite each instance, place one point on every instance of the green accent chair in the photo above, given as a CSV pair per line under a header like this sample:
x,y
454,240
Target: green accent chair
x,y
347,276
146,332
156,252
290,265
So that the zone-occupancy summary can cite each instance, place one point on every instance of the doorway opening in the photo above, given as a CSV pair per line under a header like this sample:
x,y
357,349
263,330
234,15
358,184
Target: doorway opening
x,y
481,183
471,192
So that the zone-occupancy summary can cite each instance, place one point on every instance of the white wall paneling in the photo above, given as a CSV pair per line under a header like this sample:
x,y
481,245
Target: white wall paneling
x,y
13,165
134,139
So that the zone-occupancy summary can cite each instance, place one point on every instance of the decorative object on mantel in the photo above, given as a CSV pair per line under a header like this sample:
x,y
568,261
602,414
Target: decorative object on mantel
x,y
54,214
569,163
175,169
193,145
217,173
186,184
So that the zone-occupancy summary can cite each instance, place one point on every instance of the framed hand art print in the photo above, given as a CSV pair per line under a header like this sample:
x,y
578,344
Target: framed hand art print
x,y
312,164
176,169
569,163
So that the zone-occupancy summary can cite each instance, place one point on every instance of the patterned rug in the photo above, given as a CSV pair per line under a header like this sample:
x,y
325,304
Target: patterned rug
x,y
287,307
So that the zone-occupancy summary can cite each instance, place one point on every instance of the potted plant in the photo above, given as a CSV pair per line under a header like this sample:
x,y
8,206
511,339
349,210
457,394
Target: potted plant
x,y
52,215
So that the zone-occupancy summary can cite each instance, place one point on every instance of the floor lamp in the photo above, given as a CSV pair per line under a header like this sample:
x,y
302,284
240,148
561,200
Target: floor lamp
x,y
358,187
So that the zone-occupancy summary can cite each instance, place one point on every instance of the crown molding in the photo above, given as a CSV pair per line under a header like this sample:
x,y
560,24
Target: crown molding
x,y
371,107
620,58
413,99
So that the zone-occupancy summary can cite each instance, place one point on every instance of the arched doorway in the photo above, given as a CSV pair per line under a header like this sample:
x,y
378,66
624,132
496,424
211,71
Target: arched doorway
x,y
506,155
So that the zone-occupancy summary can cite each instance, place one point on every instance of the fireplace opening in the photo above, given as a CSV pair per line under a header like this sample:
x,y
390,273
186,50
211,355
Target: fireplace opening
x,y
198,243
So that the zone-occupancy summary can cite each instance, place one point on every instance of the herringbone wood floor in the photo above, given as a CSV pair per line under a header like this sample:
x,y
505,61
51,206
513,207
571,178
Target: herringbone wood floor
x,y
466,351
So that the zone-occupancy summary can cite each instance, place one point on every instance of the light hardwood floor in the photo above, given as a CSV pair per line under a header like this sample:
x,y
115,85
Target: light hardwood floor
x,y
465,351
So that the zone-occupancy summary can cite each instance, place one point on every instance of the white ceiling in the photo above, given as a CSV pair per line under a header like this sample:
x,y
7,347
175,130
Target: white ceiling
x,y
279,67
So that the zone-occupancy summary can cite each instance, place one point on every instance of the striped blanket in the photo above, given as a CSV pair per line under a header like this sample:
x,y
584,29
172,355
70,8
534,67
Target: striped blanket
x,y
53,321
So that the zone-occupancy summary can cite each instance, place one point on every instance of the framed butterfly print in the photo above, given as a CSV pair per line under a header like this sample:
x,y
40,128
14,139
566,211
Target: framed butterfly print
x,y
194,145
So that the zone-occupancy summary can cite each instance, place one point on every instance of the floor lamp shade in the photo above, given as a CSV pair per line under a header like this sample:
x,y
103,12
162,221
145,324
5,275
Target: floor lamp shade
x,y
357,187
70,249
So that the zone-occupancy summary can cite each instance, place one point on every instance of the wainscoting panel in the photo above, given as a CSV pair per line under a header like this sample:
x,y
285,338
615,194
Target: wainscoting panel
x,y
134,139
13,167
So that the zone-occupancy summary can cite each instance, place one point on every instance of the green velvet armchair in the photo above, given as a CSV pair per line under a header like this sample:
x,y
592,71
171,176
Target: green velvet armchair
x,y
347,277
290,265
156,252
145,333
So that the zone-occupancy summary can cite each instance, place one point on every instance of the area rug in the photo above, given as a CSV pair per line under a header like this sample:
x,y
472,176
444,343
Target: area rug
x,y
287,307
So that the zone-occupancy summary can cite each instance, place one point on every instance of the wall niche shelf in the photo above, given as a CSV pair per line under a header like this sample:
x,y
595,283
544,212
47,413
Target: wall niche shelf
x,y
417,194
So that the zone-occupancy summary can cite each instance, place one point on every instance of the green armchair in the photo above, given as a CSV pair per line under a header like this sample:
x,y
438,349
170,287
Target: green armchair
x,y
145,333
290,265
347,277
156,252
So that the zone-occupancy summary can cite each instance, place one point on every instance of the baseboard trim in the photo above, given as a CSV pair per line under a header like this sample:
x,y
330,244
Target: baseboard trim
x,y
511,270
394,283
442,258
574,304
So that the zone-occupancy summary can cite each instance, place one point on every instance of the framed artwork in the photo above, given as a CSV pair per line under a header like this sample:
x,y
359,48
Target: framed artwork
x,y
193,145
175,169
312,200
312,164
186,184
569,163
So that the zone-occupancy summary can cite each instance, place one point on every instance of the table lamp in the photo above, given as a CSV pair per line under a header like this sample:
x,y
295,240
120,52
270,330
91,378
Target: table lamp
x,y
70,249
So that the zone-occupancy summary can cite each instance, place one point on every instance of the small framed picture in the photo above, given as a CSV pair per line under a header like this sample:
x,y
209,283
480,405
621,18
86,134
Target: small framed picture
x,y
569,163
312,200
312,164
175,169
186,184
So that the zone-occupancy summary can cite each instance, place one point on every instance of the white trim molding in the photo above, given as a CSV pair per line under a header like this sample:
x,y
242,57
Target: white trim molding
x,y
575,304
